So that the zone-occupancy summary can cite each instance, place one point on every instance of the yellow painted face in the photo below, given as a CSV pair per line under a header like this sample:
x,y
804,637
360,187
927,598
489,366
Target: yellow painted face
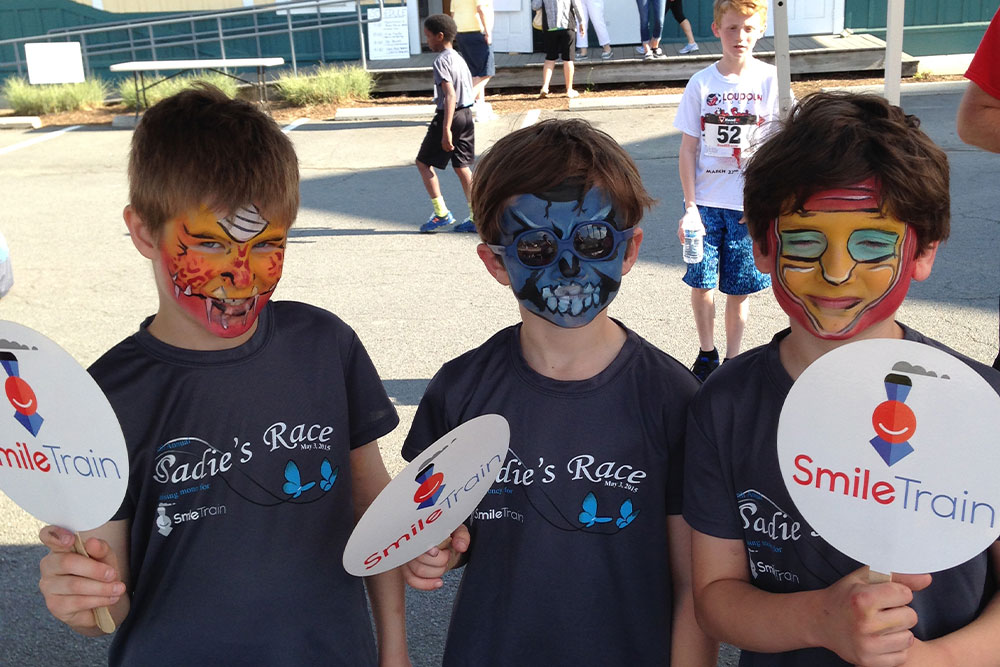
x,y
223,268
839,271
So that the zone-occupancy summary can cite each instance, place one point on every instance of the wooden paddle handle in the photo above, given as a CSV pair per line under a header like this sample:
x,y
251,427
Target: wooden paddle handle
x,y
101,614
875,577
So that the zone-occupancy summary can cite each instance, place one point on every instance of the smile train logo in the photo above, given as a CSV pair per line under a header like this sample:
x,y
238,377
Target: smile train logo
x,y
431,483
21,395
894,421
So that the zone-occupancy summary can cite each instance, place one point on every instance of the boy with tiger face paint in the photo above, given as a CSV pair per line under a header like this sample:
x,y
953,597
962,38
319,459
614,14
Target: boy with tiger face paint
x,y
846,203
213,190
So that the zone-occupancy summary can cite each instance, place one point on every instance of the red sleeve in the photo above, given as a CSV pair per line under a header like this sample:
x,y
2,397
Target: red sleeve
x,y
985,67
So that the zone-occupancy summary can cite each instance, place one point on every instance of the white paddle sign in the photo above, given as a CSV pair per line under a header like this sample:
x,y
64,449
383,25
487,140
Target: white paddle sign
x,y
62,453
430,498
889,450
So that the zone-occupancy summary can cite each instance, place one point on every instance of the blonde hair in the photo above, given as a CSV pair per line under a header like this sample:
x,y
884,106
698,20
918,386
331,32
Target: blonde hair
x,y
744,7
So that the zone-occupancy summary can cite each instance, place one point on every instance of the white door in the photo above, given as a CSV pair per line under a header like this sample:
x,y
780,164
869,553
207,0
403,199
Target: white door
x,y
512,26
810,17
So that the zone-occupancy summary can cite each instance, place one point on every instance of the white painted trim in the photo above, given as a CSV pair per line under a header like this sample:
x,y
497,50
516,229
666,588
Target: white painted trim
x,y
37,140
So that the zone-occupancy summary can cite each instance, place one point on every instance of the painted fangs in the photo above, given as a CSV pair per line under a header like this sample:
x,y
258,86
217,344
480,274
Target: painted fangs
x,y
571,299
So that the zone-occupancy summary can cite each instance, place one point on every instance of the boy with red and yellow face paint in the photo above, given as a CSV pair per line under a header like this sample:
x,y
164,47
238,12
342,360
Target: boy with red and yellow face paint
x,y
223,268
251,425
842,226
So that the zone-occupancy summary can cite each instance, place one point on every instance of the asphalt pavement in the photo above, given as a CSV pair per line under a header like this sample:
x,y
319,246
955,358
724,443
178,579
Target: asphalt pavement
x,y
415,300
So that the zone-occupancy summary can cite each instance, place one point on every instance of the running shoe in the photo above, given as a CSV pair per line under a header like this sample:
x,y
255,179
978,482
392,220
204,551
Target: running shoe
x,y
572,92
690,48
607,55
437,223
640,50
705,364
580,55
658,53
466,225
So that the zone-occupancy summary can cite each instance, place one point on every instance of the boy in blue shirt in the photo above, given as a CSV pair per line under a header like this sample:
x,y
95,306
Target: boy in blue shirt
x,y
584,514
251,426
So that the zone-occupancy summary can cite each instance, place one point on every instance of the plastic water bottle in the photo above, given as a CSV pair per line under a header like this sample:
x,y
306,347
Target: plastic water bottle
x,y
694,236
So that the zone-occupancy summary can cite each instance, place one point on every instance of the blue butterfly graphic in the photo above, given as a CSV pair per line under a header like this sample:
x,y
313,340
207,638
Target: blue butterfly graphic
x,y
627,515
588,516
294,486
329,474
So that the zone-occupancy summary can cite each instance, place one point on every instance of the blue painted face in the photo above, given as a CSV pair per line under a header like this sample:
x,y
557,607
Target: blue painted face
x,y
563,255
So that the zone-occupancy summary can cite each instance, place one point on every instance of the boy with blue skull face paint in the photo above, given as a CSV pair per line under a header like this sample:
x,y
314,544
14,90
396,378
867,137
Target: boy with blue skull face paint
x,y
563,254
585,512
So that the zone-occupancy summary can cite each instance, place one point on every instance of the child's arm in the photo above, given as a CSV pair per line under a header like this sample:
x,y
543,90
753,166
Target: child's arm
x,y
978,643
862,623
686,165
450,100
368,478
978,119
74,585
689,645
425,571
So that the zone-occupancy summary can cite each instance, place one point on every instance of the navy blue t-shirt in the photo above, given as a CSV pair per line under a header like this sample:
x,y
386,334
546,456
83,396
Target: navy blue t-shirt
x,y
568,563
734,490
239,493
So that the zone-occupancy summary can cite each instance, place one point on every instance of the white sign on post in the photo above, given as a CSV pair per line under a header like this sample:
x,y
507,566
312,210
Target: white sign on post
x,y
389,38
888,449
54,62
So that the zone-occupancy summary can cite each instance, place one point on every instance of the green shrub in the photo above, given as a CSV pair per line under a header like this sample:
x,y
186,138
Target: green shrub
x,y
126,87
29,100
329,83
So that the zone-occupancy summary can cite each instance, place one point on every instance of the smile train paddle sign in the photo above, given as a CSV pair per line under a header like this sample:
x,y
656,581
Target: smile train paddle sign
x,y
62,453
889,450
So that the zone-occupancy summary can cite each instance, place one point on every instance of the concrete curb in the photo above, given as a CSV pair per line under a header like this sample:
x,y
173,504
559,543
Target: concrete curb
x,y
20,122
629,101
924,88
383,113
624,102
124,122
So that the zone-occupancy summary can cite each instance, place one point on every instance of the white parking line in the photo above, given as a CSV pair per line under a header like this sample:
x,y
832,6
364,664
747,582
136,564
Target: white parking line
x,y
294,124
37,140
530,117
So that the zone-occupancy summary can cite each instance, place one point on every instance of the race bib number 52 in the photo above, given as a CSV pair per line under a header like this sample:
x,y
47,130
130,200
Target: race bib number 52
x,y
728,135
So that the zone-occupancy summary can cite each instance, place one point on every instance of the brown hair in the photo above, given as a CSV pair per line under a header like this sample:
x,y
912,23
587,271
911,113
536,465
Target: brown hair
x,y
837,139
538,158
745,7
200,147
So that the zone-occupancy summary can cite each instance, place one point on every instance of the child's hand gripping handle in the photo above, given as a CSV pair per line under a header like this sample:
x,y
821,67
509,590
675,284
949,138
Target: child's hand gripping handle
x,y
101,614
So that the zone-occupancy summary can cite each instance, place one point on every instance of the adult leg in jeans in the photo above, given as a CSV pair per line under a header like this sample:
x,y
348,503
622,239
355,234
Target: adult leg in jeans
x,y
643,6
656,10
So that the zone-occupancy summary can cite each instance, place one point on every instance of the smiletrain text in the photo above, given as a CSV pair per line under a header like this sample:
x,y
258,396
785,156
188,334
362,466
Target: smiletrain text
x,y
859,485
21,457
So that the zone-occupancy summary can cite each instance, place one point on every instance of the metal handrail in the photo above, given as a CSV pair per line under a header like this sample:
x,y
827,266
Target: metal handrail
x,y
151,42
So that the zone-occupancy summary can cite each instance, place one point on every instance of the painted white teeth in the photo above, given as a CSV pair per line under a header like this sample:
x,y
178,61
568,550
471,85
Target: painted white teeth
x,y
177,292
208,310
577,307
589,289
563,304
546,292
187,291
552,303
587,302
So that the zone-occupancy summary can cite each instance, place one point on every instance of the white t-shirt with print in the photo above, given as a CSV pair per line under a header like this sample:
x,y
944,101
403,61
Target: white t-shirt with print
x,y
729,116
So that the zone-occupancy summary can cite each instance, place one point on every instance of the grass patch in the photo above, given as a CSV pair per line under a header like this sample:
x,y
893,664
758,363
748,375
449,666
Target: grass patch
x,y
126,87
29,100
328,84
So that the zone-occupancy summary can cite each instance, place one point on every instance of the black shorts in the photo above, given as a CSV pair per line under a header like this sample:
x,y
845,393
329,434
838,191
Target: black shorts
x,y
559,43
477,53
463,135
